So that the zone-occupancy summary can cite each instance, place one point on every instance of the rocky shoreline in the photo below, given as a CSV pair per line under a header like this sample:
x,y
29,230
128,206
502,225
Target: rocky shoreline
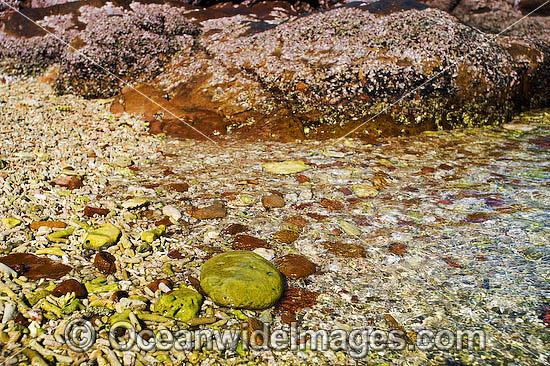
x,y
268,72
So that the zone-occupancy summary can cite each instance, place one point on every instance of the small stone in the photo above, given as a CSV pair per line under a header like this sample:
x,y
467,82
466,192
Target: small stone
x,y
179,187
519,127
102,237
172,212
297,220
151,235
267,254
248,242
51,224
175,254
70,182
286,236
273,201
182,304
241,279
364,190
10,222
300,178
92,211
215,211
235,229
398,248
61,236
154,286
105,262
331,205
296,266
349,228
286,167
69,286
134,203
293,300
345,250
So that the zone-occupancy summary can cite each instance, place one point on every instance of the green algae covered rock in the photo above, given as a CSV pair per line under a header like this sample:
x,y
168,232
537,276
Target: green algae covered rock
x,y
241,279
151,235
182,304
101,237
10,222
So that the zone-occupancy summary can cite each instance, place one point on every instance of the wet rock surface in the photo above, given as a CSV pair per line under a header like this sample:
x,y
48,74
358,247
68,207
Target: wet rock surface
x,y
241,279
35,268
265,72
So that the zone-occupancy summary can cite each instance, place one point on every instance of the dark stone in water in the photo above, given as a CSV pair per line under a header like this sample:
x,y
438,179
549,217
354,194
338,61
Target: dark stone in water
x,y
34,267
68,286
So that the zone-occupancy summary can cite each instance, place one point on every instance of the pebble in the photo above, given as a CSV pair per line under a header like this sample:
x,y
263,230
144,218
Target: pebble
x,y
286,236
69,286
286,167
214,211
70,182
364,190
172,212
235,229
296,266
248,242
92,211
102,237
154,286
273,200
105,262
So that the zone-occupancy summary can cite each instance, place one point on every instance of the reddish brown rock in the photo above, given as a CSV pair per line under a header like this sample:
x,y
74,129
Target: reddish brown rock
x,y
286,236
300,178
69,286
105,262
297,220
345,250
34,267
398,248
68,181
215,211
293,300
52,224
175,254
296,266
252,325
273,200
154,286
179,187
331,205
91,211
235,229
248,242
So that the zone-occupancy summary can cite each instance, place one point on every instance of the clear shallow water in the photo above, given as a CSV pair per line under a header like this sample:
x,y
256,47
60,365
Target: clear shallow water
x,y
469,209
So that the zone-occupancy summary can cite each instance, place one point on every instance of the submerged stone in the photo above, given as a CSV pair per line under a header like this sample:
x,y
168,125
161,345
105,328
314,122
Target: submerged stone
x,y
10,222
103,236
241,279
286,167
182,304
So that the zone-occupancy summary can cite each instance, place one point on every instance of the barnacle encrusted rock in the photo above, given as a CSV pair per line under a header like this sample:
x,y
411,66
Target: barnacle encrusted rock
x,y
182,304
241,279
103,236
370,68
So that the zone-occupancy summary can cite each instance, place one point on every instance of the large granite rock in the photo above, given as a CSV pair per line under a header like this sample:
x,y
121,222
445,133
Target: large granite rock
x,y
267,72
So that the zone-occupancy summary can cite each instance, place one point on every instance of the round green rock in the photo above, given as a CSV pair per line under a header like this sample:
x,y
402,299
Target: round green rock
x,y
241,279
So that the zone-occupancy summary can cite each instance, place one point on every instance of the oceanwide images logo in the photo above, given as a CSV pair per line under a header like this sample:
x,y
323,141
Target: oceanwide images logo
x,y
80,336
